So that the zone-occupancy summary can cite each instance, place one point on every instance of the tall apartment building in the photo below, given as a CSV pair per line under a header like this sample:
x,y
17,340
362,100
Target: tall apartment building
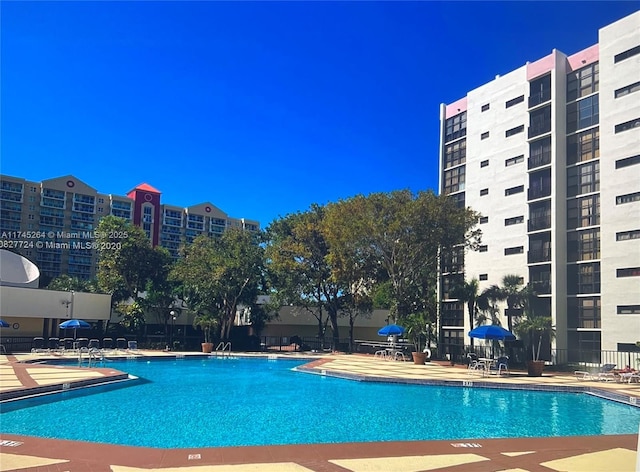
x,y
65,210
549,155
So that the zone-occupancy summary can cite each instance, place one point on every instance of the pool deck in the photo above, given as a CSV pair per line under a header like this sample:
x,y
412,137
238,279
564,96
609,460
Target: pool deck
x,y
615,453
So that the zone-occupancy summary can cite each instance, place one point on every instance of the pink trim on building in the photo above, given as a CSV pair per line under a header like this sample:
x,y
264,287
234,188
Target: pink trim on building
x,y
456,107
541,66
584,57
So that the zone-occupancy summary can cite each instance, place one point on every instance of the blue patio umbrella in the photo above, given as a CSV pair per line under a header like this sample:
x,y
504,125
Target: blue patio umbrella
x,y
391,330
4,324
492,332
75,325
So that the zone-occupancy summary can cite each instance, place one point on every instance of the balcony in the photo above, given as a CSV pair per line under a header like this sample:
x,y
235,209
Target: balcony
x,y
537,129
542,287
539,255
539,192
537,223
539,160
539,97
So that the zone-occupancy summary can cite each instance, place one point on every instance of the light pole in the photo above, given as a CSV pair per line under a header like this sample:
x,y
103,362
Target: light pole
x,y
173,322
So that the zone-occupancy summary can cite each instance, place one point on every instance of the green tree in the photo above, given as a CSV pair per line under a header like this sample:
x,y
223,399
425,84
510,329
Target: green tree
x,y
468,293
300,270
66,283
218,274
535,324
404,235
127,262
512,292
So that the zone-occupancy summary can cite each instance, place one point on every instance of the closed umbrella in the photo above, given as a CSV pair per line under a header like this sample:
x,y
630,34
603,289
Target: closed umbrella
x,y
75,324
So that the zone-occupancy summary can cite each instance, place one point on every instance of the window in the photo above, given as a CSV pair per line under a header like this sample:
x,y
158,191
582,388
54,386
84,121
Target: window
x,y
627,235
483,277
484,191
539,184
628,161
514,190
455,154
455,127
628,198
584,312
583,179
453,260
513,250
626,126
626,54
483,248
582,212
31,217
514,160
621,92
582,82
512,131
583,114
628,309
454,180
485,107
514,221
484,163
514,101
583,146
539,248
449,283
540,121
484,135
33,189
628,272
583,245
484,219
458,200
540,90
583,278
452,314
451,337
540,152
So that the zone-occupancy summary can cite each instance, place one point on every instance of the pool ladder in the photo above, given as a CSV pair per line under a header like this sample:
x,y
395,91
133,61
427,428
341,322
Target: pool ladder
x,y
223,348
94,356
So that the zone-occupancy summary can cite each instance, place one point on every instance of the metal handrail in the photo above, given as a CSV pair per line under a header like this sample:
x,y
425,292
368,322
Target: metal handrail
x,y
222,348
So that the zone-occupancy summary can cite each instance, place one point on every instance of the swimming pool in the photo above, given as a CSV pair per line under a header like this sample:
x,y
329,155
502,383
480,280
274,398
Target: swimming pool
x,y
213,402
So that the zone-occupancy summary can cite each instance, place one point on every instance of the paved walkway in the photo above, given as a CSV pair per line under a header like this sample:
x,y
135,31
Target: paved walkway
x,y
615,453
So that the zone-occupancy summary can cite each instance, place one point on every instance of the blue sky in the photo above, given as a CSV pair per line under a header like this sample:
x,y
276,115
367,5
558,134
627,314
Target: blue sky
x,y
259,108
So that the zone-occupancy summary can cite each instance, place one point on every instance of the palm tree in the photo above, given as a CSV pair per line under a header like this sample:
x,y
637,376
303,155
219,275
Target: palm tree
x,y
487,305
535,325
468,293
512,291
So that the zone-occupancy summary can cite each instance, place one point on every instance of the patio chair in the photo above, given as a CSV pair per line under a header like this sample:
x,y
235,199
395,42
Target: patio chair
x,y
121,344
583,375
382,354
83,344
107,343
499,367
606,373
54,344
94,344
38,345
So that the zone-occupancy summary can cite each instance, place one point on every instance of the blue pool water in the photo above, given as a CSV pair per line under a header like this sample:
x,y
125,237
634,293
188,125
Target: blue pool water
x,y
210,402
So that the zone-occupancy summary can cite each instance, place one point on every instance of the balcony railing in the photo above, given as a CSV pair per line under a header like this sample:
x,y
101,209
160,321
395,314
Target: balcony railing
x,y
540,222
539,97
537,129
542,287
539,160
539,255
539,192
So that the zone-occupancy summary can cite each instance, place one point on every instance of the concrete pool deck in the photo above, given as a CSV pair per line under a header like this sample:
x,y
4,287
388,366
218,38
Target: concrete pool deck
x,y
614,453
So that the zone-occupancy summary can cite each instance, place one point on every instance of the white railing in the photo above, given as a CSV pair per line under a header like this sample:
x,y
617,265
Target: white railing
x,y
223,348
